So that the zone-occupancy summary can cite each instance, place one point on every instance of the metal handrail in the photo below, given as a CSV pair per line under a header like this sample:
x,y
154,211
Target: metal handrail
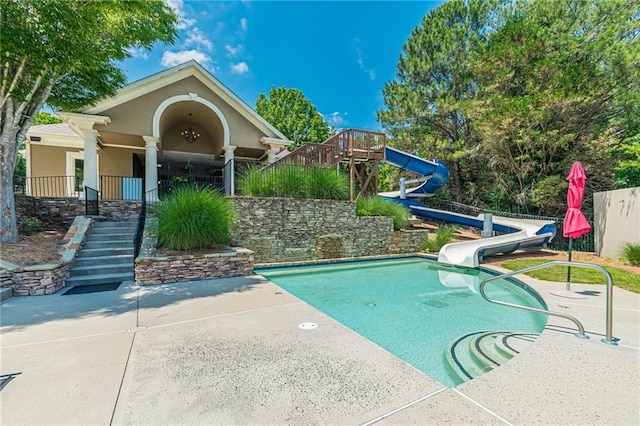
x,y
609,297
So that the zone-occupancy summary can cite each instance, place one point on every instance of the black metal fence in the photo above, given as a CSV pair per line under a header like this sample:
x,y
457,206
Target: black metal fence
x,y
585,243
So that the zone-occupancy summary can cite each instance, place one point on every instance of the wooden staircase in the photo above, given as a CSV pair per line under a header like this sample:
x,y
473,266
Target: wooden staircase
x,y
359,150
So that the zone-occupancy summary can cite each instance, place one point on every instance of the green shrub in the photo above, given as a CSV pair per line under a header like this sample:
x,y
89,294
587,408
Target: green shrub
x,y
31,226
192,218
443,236
376,206
326,183
631,253
294,182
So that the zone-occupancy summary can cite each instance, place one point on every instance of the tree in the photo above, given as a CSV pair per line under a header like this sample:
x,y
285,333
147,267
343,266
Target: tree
x,y
64,53
556,85
434,76
293,115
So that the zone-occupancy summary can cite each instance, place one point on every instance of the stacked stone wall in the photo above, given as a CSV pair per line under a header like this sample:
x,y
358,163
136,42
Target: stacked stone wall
x,y
59,213
285,230
193,267
38,280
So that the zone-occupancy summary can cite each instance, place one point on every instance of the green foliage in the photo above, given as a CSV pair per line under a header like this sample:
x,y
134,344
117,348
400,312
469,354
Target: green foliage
x,y
293,114
376,206
65,53
31,226
434,76
627,171
45,118
510,94
444,235
192,218
550,93
631,253
294,182
621,278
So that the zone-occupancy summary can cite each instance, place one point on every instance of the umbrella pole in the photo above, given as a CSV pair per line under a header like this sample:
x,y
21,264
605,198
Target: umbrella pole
x,y
569,267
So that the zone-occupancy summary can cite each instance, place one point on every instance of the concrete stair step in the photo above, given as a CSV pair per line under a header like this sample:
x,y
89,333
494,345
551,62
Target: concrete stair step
x,y
107,229
107,244
109,237
98,225
5,293
474,354
99,279
484,351
514,343
106,259
116,268
108,251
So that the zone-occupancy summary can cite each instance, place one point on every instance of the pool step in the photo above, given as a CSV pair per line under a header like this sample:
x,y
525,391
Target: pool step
x,y
474,354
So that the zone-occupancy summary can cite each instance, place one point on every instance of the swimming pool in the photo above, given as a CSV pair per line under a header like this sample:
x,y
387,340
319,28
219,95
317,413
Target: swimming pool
x,y
412,307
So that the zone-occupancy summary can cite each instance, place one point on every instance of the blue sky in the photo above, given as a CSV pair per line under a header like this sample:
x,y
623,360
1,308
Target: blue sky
x,y
339,54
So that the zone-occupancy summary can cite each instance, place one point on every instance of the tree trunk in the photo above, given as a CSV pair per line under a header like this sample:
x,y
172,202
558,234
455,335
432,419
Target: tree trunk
x,y
8,152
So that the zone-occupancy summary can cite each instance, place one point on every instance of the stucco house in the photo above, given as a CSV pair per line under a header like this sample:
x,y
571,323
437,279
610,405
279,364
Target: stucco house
x,y
181,123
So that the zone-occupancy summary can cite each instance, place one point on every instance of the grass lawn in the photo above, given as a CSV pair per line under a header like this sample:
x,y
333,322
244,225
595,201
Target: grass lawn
x,y
624,279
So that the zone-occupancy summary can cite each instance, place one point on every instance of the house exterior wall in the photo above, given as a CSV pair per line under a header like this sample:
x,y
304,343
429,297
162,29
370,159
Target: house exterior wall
x,y
136,116
117,161
617,220
49,160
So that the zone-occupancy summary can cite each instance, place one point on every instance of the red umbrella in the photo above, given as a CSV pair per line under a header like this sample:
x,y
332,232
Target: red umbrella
x,y
575,224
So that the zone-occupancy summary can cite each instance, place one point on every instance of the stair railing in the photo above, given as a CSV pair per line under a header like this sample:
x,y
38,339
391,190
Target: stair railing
x,y
609,297
152,197
91,201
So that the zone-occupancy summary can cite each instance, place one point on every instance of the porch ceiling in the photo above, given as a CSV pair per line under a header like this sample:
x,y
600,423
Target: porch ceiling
x,y
121,139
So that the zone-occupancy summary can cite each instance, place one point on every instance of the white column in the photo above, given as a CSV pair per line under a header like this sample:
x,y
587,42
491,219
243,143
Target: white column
x,y
228,152
230,170
271,155
90,158
151,167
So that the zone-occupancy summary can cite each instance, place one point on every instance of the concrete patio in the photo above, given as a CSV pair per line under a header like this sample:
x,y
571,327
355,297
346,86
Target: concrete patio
x,y
229,351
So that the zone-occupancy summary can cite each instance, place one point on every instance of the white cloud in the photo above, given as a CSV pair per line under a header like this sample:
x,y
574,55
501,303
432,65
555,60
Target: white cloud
x,y
244,24
137,52
170,59
239,68
234,50
336,118
198,39
178,6
360,60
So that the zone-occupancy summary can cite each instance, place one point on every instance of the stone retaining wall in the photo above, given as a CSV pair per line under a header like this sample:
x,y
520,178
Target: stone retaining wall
x,y
285,230
59,213
235,262
39,280
157,269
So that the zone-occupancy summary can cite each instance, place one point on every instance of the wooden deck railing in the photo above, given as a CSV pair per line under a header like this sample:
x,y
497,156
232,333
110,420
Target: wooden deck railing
x,y
359,144
351,143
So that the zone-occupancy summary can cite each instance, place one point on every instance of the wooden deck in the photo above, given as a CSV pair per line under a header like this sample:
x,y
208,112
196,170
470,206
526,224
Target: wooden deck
x,y
362,150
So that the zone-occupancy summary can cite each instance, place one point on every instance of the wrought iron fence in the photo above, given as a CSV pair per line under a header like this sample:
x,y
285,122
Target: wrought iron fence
x,y
585,243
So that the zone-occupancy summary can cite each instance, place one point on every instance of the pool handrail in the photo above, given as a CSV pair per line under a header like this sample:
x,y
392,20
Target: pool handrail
x,y
609,296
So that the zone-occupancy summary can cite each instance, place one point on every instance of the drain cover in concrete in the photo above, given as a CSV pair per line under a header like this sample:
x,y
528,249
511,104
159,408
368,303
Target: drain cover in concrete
x,y
308,326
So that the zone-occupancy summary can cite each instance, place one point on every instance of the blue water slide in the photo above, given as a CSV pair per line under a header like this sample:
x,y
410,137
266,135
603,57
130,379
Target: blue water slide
x,y
436,171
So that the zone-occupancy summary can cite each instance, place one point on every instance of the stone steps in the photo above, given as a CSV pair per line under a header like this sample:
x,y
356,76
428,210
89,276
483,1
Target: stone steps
x,y
105,256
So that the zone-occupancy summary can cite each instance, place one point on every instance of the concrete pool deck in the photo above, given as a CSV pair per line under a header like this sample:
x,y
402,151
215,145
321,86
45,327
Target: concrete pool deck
x,y
229,351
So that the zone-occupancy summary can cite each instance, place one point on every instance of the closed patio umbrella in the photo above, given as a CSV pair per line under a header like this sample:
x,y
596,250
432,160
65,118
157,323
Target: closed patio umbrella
x,y
575,224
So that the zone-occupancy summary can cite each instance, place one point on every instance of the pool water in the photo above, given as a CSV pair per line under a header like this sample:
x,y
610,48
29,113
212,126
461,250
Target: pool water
x,y
412,307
